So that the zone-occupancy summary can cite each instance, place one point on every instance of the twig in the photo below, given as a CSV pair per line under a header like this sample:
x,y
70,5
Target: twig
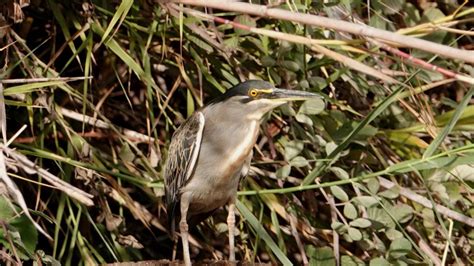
x,y
408,57
12,189
15,135
32,80
30,167
295,234
335,235
67,43
101,124
425,247
338,25
427,203
6,235
354,64
446,248
90,134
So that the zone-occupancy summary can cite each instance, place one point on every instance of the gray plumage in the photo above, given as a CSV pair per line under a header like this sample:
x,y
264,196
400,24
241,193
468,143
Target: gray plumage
x,y
212,150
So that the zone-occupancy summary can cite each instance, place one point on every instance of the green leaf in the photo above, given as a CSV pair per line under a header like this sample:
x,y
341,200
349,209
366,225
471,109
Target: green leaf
x,y
291,65
283,172
339,193
429,221
304,84
449,127
30,87
200,43
391,7
377,21
323,256
126,154
391,193
197,58
302,118
317,82
268,61
287,110
350,211
354,233
60,19
339,172
366,201
47,259
463,172
232,42
454,191
312,107
393,234
189,103
125,56
360,223
331,158
379,262
402,213
339,227
347,260
380,218
293,148
6,211
399,248
262,233
373,185
330,147
412,15
20,229
120,14
406,138
245,20
299,161
28,232
432,14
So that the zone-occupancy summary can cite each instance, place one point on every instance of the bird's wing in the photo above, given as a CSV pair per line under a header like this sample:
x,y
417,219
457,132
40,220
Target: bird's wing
x,y
182,157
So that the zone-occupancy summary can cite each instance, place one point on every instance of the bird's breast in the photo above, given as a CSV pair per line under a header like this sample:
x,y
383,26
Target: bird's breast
x,y
235,156
220,162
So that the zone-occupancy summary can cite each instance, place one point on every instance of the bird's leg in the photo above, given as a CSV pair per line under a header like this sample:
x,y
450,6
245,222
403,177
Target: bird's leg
x,y
183,228
231,228
175,247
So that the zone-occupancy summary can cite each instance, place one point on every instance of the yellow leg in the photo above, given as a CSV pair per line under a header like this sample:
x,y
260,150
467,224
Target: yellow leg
x,y
183,228
175,247
231,228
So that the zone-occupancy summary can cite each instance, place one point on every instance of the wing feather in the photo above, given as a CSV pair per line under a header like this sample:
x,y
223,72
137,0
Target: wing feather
x,y
182,157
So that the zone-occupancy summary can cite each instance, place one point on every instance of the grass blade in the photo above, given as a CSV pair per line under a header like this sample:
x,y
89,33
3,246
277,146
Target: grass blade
x,y
260,230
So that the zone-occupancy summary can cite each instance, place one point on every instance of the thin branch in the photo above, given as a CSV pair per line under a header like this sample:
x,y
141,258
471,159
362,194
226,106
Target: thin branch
x,y
30,167
352,63
427,203
131,134
33,80
338,25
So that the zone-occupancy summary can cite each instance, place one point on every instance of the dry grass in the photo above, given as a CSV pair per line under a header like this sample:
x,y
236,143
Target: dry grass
x,y
92,92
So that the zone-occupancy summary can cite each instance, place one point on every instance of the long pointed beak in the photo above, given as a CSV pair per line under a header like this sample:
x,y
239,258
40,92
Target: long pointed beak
x,y
291,95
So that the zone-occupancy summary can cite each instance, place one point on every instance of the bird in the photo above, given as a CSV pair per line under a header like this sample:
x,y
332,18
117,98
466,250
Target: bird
x,y
211,151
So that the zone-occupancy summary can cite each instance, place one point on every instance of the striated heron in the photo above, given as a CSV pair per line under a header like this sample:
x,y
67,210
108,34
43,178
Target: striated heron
x,y
211,151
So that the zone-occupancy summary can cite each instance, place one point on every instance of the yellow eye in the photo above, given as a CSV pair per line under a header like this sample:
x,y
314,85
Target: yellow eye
x,y
253,93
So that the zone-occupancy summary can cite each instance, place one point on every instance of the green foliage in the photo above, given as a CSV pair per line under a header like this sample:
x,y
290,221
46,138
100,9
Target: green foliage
x,y
18,230
319,181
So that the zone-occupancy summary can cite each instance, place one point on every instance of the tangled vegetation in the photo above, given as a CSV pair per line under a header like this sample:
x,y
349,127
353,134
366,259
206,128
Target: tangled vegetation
x,y
382,173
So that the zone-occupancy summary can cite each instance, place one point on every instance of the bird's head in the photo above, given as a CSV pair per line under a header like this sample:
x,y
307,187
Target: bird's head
x,y
256,97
